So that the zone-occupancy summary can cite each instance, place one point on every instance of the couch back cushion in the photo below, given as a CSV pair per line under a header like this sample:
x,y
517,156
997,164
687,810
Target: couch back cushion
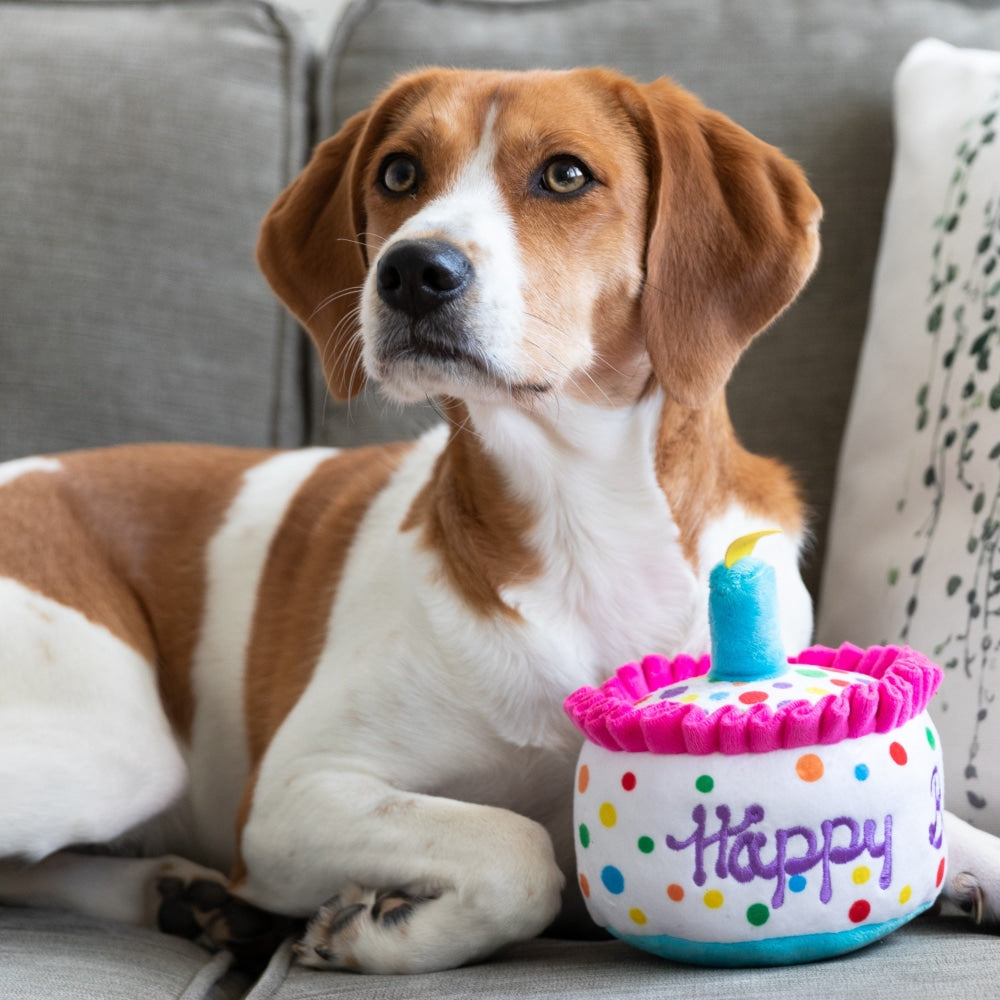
x,y
811,76
140,144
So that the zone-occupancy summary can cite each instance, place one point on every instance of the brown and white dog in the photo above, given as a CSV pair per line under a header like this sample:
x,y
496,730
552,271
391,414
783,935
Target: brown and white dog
x,y
338,676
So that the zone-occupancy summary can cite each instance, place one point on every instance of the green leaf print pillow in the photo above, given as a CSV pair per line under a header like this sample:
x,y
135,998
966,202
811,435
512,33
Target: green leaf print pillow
x,y
914,551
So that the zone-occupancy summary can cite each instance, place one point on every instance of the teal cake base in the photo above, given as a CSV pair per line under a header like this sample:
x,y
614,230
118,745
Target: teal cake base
x,y
771,951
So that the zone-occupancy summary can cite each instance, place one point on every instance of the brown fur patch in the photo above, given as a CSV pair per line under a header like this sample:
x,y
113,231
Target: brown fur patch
x,y
469,517
120,535
702,469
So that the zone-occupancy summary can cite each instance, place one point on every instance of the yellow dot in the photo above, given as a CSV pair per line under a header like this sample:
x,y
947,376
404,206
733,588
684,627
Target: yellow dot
x,y
819,692
607,814
713,899
638,917
905,893
687,699
861,874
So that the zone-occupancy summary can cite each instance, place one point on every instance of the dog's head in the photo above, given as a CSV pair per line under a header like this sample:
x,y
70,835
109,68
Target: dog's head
x,y
512,235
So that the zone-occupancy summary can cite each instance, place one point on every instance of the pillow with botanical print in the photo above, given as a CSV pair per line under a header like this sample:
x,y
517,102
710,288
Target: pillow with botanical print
x,y
914,554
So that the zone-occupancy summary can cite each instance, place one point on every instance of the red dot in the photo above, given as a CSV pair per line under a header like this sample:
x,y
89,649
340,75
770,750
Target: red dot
x,y
753,697
859,911
840,682
628,781
898,754
940,874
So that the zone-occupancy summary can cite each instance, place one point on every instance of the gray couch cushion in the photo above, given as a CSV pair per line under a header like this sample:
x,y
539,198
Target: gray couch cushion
x,y
927,960
811,76
140,144
61,956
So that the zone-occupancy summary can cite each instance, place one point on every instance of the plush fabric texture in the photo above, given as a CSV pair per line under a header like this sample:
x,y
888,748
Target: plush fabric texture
x,y
644,707
810,76
913,556
140,145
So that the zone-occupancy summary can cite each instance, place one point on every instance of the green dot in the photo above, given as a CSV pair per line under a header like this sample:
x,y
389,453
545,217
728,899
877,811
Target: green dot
x,y
705,783
807,672
584,835
646,845
758,914
930,738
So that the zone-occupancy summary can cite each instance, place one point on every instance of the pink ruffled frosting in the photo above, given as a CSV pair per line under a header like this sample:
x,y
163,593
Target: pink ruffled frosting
x,y
904,682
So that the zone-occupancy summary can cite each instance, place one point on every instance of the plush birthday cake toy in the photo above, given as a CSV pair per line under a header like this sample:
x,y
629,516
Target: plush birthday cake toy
x,y
754,809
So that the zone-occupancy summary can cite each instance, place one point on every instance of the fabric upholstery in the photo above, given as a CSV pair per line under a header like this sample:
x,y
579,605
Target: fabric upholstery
x,y
140,144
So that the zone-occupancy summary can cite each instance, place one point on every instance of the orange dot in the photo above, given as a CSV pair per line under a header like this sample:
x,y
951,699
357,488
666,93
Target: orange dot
x,y
675,892
809,767
584,779
585,886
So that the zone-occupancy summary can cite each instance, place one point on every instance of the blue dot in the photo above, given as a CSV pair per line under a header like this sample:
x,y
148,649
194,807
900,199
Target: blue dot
x,y
719,695
861,772
796,883
613,880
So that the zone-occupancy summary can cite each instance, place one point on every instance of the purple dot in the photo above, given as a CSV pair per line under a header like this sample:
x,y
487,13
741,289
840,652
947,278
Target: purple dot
x,y
673,692
782,684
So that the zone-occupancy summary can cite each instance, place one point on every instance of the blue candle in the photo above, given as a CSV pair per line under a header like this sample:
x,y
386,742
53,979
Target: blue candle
x,y
743,616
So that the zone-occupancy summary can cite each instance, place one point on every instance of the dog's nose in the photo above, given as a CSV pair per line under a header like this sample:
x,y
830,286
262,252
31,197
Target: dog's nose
x,y
418,276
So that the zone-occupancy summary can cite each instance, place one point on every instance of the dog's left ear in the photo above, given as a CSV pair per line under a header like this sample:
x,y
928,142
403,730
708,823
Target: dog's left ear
x,y
310,252
732,238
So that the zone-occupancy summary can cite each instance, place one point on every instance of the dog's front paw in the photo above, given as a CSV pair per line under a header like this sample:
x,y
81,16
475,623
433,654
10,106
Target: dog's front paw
x,y
356,925
202,909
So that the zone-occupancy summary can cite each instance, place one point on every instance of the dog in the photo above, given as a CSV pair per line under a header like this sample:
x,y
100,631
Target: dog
x,y
328,684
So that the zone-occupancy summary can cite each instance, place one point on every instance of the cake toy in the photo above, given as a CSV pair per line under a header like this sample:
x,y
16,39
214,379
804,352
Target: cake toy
x,y
750,808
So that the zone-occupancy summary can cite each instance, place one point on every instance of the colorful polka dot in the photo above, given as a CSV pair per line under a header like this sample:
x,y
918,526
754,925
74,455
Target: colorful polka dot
x,y
583,780
753,697
898,753
797,883
584,835
809,767
613,880
646,845
718,695
758,914
859,911
607,815
713,899
905,893
782,685
861,772
930,738
585,886
861,874
817,691
940,874
672,692
675,892
628,781
705,783
687,699
840,682
809,672
637,916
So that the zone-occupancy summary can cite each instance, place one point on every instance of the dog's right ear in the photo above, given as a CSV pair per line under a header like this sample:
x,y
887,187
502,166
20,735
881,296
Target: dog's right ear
x,y
311,253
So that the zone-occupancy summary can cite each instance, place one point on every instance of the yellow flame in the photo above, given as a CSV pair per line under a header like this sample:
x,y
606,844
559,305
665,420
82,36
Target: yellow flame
x,y
744,546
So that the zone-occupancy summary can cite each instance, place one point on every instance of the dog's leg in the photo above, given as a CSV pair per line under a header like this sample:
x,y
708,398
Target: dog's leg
x,y
419,883
973,881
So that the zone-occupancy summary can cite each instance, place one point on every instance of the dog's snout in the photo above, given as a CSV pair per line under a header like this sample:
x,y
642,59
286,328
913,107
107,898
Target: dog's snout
x,y
418,276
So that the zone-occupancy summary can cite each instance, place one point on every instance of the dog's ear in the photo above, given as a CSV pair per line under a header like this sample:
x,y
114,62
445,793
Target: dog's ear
x,y
311,252
732,237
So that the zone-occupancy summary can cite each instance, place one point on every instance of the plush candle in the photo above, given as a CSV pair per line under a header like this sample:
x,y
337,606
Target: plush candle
x,y
759,810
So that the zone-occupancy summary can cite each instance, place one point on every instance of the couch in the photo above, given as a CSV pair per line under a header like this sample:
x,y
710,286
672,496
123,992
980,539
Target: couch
x,y
141,142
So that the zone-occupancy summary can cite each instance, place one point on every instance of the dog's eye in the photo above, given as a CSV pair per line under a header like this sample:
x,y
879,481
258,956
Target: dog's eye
x,y
399,175
565,175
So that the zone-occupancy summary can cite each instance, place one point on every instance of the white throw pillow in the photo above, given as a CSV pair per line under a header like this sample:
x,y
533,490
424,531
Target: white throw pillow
x,y
914,550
